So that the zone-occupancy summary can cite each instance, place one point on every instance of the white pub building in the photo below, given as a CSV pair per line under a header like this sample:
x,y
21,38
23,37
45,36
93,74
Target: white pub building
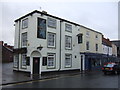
x,y
46,43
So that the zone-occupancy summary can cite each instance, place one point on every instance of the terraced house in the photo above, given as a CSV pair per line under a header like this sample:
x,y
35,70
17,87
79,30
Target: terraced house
x,y
44,43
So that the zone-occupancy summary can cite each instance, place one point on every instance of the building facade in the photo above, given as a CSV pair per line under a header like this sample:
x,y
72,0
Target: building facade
x,y
90,48
6,52
117,43
45,43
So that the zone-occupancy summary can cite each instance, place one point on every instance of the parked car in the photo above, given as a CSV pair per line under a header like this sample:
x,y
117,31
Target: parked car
x,y
111,68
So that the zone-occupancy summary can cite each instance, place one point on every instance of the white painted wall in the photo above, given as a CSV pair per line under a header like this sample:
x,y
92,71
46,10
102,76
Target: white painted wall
x,y
107,49
34,42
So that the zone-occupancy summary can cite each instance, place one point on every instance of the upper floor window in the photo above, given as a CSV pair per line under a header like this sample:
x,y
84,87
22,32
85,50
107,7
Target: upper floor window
x,y
96,36
68,42
87,34
41,28
80,38
51,60
68,60
24,39
87,45
51,22
96,47
68,27
51,39
24,23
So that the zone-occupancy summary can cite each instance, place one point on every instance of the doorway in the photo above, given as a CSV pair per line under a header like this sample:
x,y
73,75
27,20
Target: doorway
x,y
36,65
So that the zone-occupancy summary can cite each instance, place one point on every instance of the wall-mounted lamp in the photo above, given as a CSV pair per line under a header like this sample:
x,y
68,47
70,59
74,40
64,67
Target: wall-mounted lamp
x,y
40,47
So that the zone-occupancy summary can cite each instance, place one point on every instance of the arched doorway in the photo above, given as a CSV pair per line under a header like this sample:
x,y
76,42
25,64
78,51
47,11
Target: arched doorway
x,y
35,63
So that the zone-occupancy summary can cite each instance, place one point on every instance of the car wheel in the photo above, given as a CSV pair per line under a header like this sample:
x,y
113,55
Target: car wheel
x,y
105,73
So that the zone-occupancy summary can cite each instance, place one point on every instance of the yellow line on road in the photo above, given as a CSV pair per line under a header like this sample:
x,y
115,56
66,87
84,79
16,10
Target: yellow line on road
x,y
39,80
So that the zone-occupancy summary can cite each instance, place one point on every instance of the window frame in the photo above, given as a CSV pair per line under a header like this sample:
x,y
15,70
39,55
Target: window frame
x,y
54,21
16,61
23,66
54,61
67,48
96,47
87,33
69,25
80,39
68,66
22,43
39,28
23,27
87,45
54,40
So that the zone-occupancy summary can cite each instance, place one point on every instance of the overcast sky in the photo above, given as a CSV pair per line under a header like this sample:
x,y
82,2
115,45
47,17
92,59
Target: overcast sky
x,y
100,16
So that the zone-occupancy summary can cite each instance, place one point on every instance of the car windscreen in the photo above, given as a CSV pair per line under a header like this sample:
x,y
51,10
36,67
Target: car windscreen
x,y
109,65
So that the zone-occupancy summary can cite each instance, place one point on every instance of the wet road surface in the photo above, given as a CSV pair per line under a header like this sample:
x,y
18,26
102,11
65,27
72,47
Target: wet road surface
x,y
94,79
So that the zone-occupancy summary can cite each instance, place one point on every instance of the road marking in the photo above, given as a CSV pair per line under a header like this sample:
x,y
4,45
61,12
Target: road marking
x,y
39,80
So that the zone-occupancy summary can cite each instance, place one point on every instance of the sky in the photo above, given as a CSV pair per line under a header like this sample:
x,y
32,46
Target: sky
x,y
99,15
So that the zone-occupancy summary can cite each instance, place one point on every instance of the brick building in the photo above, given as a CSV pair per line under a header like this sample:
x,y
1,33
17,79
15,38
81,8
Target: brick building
x,y
6,52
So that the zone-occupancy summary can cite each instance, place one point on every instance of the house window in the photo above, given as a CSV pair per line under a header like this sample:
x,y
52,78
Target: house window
x,y
68,60
96,47
51,60
24,60
96,36
41,28
80,39
51,22
68,42
87,34
24,23
44,62
87,45
51,39
24,39
68,27
16,59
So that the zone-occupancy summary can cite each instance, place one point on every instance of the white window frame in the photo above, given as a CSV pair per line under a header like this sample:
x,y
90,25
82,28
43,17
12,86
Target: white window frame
x,y
68,42
51,22
68,27
25,23
87,33
52,61
23,60
16,60
54,40
68,60
24,39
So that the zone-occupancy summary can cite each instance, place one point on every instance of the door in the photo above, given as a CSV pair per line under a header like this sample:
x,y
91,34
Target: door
x,y
36,65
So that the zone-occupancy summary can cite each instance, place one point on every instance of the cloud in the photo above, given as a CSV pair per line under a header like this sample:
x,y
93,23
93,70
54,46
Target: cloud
x,y
100,16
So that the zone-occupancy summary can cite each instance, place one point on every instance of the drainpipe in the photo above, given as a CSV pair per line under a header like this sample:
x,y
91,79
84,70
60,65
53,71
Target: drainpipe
x,y
19,42
60,46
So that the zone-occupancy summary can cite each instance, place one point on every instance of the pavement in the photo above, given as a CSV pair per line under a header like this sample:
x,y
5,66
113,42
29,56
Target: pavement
x,y
11,77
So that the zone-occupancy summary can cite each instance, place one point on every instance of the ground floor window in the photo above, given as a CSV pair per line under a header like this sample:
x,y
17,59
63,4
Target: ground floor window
x,y
24,60
68,60
16,59
51,60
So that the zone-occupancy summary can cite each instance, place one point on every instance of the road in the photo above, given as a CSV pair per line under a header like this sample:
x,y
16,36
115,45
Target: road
x,y
95,79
